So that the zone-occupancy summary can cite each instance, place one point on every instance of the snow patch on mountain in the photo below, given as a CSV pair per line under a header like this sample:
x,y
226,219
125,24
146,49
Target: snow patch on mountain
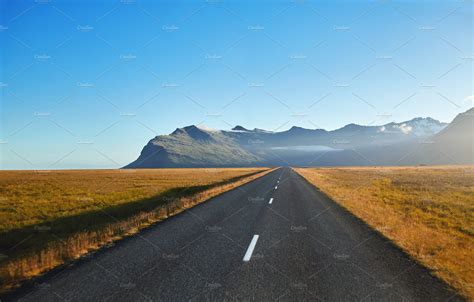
x,y
417,126
404,128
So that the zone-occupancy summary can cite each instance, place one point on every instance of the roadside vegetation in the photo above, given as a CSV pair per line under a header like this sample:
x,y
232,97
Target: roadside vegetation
x,y
427,211
50,217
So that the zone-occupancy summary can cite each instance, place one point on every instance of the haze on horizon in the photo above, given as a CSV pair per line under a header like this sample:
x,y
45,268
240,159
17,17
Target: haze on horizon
x,y
80,88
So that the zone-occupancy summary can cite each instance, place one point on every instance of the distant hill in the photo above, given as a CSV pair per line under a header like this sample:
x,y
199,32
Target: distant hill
x,y
193,147
453,144
417,141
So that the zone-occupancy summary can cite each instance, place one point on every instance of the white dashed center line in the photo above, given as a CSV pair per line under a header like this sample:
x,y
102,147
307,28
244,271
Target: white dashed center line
x,y
249,252
271,200
276,187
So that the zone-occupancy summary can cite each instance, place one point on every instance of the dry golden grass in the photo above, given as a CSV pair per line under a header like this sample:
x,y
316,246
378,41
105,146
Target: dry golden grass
x,y
34,197
428,211
50,217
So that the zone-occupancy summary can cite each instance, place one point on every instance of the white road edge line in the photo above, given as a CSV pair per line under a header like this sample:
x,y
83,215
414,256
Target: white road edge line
x,y
249,252
271,200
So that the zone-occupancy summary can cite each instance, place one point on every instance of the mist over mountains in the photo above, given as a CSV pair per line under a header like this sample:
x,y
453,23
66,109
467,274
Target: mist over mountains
x,y
414,142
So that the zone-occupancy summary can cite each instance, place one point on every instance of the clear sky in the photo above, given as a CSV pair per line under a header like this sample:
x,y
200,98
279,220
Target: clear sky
x,y
86,85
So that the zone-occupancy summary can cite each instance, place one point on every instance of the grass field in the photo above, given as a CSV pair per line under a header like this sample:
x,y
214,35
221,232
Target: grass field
x,y
428,211
49,217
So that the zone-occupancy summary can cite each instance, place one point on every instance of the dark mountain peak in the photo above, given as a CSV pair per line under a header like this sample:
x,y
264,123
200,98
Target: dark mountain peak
x,y
193,132
239,128
296,129
351,126
191,128
178,131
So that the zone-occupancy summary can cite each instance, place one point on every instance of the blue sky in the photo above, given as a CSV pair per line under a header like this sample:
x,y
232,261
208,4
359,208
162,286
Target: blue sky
x,y
86,85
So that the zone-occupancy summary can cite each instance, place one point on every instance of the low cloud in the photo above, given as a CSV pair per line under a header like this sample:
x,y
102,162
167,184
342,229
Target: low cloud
x,y
404,128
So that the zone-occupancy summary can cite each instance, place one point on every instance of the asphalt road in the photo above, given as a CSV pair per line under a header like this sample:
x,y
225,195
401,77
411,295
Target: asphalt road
x,y
275,238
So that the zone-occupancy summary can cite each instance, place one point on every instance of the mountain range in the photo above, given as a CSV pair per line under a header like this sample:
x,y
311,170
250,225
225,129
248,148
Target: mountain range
x,y
414,142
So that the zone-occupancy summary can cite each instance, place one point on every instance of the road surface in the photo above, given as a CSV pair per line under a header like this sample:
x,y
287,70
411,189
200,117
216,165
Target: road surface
x,y
275,238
